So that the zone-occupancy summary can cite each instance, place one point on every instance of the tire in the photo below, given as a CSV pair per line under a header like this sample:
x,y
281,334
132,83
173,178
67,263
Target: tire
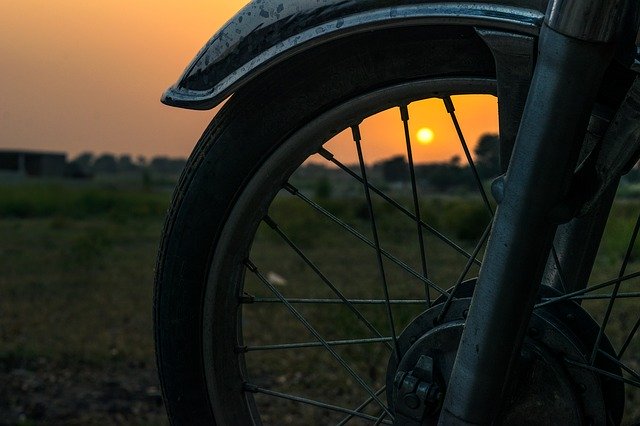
x,y
240,165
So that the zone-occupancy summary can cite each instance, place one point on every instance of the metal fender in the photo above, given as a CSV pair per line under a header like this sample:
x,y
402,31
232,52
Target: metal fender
x,y
267,32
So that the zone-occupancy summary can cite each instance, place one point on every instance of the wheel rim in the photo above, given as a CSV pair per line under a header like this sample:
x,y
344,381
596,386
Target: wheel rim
x,y
234,366
298,150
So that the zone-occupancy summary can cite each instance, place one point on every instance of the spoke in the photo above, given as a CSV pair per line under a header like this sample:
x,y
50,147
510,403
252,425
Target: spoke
x,y
273,225
380,419
607,296
316,334
603,372
248,387
250,300
374,230
361,407
627,342
611,358
294,191
465,271
448,103
616,288
568,296
404,113
244,349
331,158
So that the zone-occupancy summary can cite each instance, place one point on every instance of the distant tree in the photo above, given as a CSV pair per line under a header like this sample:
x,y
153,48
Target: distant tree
x,y
81,166
106,163
166,165
487,153
125,164
395,169
444,176
73,170
455,160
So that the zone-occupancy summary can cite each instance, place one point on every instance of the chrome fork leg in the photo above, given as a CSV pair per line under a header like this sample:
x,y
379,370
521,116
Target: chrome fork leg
x,y
561,97
576,245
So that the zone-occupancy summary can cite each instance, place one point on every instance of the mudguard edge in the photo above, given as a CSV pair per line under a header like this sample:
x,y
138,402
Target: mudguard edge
x,y
267,32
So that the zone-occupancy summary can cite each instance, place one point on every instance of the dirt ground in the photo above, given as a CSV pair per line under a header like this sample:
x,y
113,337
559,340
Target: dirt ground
x,y
40,392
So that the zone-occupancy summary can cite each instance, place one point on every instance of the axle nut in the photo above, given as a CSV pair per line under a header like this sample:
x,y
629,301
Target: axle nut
x,y
411,401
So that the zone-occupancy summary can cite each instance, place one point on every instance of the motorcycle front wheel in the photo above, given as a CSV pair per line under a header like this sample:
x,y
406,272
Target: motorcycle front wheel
x,y
283,287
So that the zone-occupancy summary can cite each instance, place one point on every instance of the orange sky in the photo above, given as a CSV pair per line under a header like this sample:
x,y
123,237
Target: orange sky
x,y
87,75
383,134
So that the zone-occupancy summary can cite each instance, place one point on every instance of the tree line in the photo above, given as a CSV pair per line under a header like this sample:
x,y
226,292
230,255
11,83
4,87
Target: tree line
x,y
452,174
88,164
443,176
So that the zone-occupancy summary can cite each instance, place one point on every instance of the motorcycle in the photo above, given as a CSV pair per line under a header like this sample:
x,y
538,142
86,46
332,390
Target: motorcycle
x,y
518,325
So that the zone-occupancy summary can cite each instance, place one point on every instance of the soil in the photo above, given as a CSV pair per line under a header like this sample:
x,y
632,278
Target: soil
x,y
45,392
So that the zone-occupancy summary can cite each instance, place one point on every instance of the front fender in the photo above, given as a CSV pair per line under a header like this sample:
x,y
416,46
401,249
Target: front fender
x,y
267,32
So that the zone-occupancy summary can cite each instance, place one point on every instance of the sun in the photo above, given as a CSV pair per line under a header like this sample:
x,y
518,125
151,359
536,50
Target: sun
x,y
425,136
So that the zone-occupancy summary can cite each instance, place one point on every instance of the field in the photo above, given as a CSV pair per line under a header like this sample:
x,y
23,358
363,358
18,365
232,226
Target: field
x,y
351,267
75,313
76,344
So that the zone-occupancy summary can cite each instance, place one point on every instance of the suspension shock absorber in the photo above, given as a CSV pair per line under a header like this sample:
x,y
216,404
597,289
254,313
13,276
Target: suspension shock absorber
x,y
575,48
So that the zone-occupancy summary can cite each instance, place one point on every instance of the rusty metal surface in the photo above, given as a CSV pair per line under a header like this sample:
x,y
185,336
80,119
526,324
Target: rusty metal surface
x,y
266,32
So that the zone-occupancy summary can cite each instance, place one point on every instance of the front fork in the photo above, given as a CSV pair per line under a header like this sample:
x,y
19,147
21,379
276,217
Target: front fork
x,y
575,49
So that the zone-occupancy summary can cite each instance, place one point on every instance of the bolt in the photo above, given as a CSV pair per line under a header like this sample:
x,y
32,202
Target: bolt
x,y
411,401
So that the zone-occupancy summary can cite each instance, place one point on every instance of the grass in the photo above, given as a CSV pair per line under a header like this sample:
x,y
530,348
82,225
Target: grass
x,y
352,268
77,289
79,201
76,286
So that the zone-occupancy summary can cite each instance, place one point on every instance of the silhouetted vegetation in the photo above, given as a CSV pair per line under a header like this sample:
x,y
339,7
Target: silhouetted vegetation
x,y
487,153
451,175
88,164
50,199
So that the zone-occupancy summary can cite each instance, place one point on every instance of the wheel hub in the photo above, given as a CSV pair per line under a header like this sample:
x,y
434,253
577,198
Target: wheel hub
x,y
545,387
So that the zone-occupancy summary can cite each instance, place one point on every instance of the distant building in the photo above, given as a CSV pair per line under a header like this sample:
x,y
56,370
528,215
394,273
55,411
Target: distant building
x,y
33,163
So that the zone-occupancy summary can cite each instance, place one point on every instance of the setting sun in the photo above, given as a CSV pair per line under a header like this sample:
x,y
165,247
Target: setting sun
x,y
425,136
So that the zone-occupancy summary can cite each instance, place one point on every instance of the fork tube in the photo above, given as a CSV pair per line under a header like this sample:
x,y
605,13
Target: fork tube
x,y
576,245
561,97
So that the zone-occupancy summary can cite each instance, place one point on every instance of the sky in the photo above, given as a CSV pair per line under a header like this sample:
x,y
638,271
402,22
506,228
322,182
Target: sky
x,y
81,75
